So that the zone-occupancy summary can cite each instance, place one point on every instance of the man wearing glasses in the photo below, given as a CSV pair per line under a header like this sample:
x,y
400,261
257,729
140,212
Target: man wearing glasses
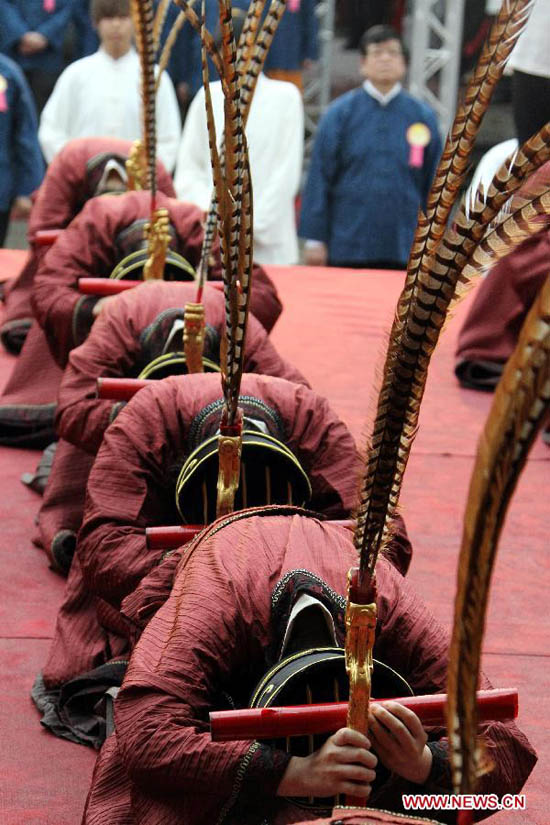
x,y
374,158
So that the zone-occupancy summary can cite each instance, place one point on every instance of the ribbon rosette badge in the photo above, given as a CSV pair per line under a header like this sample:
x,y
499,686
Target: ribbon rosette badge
x,y
418,137
3,98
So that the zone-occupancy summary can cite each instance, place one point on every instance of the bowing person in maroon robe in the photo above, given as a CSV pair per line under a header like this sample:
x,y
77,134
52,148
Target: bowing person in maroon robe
x,y
132,486
75,175
133,329
223,626
89,248
490,332
84,169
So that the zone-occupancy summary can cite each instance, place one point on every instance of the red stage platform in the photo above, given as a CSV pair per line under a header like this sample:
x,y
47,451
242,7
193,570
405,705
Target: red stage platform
x,y
333,328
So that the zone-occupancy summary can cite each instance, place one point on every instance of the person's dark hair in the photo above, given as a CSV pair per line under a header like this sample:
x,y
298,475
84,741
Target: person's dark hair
x,y
381,34
99,9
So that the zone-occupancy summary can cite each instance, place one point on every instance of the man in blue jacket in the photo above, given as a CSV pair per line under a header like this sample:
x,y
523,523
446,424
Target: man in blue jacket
x,y
21,164
375,153
32,34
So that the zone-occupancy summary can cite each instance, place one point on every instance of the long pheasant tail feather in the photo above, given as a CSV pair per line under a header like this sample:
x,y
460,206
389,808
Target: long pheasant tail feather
x,y
220,183
247,86
479,210
462,258
421,310
257,58
530,215
158,22
396,423
249,32
206,37
234,145
142,13
455,159
169,43
521,401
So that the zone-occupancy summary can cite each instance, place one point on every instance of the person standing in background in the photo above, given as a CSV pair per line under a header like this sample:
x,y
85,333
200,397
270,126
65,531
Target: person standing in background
x,y
275,132
374,157
530,61
32,34
295,46
86,39
21,164
99,95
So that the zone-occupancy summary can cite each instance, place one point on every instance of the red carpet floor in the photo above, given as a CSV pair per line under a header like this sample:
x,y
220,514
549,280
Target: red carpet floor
x,y
333,327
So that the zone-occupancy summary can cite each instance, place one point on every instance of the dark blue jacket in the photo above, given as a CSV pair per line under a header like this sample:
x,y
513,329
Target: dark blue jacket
x,y
21,164
295,41
20,16
362,195
181,66
86,40
296,38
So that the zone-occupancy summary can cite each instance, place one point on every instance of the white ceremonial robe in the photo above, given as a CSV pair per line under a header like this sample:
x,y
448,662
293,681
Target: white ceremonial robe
x,y
531,53
100,97
275,132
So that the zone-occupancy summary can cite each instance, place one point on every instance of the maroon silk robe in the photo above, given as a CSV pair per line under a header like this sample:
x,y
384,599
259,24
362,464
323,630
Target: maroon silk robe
x,y
87,248
213,635
491,329
68,184
121,342
131,487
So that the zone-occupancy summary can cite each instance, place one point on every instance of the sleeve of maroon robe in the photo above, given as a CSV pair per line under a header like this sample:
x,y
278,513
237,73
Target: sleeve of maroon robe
x,y
502,301
129,490
211,635
132,482
113,348
86,249
264,300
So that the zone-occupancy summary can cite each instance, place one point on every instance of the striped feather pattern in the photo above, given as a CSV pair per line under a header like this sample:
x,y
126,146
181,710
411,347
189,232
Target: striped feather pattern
x,y
477,213
191,16
247,39
142,14
169,43
158,23
436,290
423,304
247,86
234,198
461,258
458,146
521,401
457,151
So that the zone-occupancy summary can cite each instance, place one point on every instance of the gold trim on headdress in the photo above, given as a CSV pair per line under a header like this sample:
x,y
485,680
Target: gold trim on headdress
x,y
193,336
136,167
157,235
